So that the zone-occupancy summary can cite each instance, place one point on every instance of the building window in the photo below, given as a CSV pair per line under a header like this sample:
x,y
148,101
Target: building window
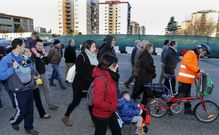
x,y
16,20
7,25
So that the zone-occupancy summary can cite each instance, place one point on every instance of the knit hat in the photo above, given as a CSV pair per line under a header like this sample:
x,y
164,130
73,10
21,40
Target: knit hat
x,y
56,41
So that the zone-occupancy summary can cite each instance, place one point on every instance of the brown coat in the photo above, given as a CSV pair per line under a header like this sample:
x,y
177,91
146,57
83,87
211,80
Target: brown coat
x,y
54,55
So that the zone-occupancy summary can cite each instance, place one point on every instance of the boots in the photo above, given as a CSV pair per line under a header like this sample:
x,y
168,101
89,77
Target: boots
x,y
66,121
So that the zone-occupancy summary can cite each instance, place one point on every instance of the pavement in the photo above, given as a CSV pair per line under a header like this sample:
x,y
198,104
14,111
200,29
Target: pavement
x,y
178,124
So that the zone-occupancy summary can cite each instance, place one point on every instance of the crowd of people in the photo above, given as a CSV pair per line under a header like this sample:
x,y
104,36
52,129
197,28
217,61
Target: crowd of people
x,y
23,75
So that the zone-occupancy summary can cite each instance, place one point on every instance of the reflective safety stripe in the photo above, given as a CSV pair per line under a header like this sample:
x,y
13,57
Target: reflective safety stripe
x,y
183,66
186,75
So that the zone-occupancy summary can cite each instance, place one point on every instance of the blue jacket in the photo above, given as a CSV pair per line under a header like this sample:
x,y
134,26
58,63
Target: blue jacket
x,y
5,69
127,110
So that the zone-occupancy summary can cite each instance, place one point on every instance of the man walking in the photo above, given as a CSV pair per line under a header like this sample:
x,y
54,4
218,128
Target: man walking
x,y
21,85
165,47
54,58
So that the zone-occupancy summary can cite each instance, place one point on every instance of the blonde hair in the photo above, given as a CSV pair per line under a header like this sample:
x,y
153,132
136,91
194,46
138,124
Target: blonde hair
x,y
145,42
148,46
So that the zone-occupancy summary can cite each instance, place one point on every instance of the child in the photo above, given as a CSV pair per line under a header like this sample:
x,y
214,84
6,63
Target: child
x,y
30,43
130,112
36,92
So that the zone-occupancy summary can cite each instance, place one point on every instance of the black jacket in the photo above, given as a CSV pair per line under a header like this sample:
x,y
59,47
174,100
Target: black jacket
x,y
84,70
106,48
40,64
171,59
147,71
70,54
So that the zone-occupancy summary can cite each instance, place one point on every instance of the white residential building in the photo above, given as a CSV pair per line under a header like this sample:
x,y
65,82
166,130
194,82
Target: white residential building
x,y
114,17
86,16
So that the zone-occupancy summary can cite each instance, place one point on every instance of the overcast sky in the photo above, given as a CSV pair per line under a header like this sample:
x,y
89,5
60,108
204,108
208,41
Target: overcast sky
x,y
154,14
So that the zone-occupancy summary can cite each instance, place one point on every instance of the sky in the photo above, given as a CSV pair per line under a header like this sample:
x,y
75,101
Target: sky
x,y
153,14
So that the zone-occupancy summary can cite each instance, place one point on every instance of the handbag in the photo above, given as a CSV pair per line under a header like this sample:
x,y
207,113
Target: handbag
x,y
71,74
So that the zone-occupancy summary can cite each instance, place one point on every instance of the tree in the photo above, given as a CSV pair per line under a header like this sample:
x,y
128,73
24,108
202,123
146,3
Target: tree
x,y
172,26
200,27
70,32
19,29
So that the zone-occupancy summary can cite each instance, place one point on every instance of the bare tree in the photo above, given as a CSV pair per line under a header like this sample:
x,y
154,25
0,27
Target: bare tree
x,y
19,30
200,27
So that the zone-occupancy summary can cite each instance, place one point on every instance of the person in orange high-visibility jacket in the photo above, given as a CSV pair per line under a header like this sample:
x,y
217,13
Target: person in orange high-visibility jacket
x,y
188,71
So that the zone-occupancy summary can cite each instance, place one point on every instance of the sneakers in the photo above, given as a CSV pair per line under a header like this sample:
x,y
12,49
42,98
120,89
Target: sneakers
x,y
53,107
66,121
15,127
52,84
32,132
190,112
46,116
139,132
63,87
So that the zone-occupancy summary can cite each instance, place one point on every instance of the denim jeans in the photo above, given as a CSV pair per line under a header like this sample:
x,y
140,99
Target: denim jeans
x,y
56,74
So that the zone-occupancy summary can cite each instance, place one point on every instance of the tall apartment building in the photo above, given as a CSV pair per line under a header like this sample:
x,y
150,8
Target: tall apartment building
x,y
78,16
66,18
114,17
86,16
134,28
206,15
12,23
142,30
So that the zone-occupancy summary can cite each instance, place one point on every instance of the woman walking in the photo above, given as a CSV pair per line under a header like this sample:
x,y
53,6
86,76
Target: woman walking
x,y
146,73
85,63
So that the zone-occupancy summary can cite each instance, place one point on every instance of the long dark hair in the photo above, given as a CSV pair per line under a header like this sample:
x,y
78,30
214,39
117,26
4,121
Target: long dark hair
x,y
106,61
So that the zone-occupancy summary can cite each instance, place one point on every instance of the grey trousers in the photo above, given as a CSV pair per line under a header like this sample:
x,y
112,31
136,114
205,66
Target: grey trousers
x,y
46,90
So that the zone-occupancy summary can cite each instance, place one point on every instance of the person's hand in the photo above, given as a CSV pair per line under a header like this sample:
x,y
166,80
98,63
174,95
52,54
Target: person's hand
x,y
202,71
114,67
141,111
15,65
45,54
38,55
139,105
35,77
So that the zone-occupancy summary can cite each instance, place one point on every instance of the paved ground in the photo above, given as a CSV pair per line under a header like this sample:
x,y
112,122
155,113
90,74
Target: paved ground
x,y
168,125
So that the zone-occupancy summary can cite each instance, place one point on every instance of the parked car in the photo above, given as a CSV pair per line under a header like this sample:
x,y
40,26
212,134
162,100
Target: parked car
x,y
6,45
46,42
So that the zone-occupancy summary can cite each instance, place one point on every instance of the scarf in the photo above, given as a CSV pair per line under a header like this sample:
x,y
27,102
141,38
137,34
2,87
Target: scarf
x,y
92,57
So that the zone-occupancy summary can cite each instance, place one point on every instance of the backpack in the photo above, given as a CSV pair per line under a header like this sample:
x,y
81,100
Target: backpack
x,y
21,79
90,91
